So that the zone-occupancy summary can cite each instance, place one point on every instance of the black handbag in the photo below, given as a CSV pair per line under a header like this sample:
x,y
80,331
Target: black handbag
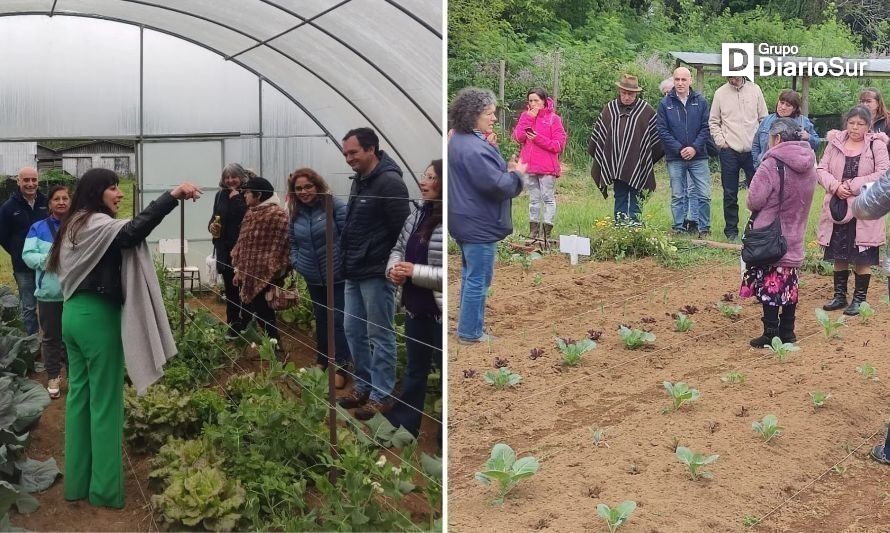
x,y
764,246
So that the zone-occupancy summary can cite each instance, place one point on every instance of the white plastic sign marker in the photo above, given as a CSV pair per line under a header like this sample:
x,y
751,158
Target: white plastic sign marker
x,y
574,246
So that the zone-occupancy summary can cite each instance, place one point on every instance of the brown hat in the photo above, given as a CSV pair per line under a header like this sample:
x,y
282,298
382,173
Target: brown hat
x,y
629,83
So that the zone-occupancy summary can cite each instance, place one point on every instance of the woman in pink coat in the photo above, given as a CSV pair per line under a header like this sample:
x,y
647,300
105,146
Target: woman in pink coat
x,y
542,137
853,158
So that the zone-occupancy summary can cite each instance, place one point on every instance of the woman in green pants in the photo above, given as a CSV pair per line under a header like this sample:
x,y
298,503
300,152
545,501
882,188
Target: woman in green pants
x,y
111,291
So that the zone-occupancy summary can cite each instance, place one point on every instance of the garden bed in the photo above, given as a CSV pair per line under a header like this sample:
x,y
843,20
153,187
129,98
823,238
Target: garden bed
x,y
552,412
48,441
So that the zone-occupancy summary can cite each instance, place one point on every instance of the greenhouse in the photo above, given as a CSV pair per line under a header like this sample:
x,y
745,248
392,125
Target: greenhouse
x,y
273,85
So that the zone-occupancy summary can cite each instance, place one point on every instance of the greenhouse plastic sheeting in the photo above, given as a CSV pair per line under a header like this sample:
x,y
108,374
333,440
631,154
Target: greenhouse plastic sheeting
x,y
346,64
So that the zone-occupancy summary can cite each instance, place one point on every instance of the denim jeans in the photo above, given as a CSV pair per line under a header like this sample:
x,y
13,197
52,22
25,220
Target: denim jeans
x,y
420,359
541,189
690,184
477,270
27,284
731,162
319,295
370,306
628,202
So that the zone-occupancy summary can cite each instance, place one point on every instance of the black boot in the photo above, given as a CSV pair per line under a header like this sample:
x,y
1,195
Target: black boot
x,y
860,290
840,291
786,323
548,229
770,327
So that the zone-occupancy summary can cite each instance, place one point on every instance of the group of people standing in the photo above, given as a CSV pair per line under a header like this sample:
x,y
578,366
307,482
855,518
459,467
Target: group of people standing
x,y
84,266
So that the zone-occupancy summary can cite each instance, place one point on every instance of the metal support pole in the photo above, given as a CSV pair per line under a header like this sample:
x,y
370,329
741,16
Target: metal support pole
x,y
332,347
181,267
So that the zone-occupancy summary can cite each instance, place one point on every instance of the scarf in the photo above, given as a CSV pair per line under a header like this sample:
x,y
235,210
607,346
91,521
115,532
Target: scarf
x,y
145,331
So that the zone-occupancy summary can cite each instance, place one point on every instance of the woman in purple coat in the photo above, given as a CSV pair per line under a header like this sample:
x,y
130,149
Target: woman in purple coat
x,y
776,285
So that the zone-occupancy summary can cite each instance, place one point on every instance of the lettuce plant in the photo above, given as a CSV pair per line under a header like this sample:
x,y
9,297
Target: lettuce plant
x,y
867,371
694,462
680,393
573,350
781,349
729,310
682,323
819,398
616,516
829,325
733,377
502,378
506,470
866,311
635,338
201,496
768,428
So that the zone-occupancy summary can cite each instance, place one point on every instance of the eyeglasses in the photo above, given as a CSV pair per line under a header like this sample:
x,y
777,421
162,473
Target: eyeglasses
x,y
298,188
428,177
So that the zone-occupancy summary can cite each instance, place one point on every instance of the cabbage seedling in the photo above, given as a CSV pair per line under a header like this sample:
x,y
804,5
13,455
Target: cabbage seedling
x,y
733,377
867,371
694,462
502,378
829,325
572,351
680,393
782,349
866,311
729,310
504,468
599,437
819,398
617,516
683,323
537,280
635,338
768,428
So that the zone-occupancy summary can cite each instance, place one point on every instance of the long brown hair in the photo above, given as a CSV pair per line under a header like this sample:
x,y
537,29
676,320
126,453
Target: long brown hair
x,y
321,188
429,225
882,111
87,200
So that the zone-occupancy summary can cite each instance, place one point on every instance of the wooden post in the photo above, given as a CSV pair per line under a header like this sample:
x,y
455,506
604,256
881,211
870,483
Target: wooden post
x,y
805,96
501,79
554,94
329,275
700,78
181,268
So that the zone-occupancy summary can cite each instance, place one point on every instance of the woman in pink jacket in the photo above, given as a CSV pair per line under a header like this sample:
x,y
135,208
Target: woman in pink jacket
x,y
853,158
542,137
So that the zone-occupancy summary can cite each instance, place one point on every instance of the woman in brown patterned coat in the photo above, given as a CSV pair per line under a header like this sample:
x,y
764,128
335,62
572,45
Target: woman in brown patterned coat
x,y
260,256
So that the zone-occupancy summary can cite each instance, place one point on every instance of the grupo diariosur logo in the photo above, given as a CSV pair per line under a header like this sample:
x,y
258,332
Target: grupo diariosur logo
x,y
738,59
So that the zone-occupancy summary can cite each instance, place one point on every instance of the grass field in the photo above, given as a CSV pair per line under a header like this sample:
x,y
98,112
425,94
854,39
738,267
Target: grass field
x,y
580,204
126,211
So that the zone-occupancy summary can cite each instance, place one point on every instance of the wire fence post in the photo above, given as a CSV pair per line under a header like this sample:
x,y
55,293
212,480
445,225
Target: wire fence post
x,y
332,347
182,267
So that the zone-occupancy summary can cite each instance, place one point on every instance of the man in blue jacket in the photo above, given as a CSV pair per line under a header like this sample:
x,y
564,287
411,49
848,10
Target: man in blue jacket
x,y
682,123
26,206
375,214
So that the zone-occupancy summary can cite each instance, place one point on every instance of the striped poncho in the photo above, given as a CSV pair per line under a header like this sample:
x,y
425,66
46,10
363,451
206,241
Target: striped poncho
x,y
625,146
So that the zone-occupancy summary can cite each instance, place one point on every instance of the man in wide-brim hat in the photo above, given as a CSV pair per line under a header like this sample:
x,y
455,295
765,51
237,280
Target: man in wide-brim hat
x,y
625,147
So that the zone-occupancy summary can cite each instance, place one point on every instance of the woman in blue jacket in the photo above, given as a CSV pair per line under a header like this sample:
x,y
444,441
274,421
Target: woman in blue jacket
x,y
481,187
788,106
49,294
307,194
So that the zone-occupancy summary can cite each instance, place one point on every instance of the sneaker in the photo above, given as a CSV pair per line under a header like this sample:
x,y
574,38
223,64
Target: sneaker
x,y
372,408
354,399
704,234
484,338
879,454
54,387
